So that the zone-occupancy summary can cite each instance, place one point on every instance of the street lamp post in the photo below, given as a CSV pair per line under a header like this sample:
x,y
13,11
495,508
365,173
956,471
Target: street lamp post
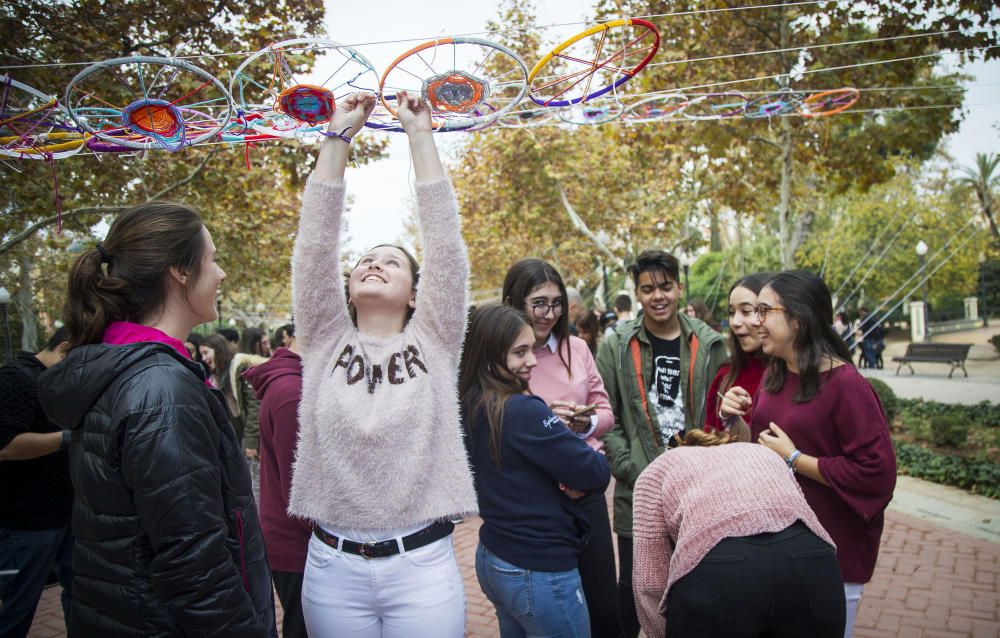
x,y
922,255
982,289
4,302
686,265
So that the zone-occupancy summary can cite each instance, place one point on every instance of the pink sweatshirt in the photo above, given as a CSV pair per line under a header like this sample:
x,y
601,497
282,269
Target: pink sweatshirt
x,y
380,444
582,384
690,498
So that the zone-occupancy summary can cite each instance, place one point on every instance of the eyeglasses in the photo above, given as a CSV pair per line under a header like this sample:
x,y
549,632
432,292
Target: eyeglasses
x,y
541,309
762,310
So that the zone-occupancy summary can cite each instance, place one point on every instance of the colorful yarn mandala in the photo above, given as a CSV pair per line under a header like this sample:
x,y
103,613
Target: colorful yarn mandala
x,y
159,120
307,103
455,92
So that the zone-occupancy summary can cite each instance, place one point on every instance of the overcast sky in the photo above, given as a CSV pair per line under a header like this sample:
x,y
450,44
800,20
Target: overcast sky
x,y
381,191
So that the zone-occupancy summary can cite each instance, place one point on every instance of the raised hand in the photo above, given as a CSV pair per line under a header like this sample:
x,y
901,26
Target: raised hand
x,y
351,113
413,112
736,402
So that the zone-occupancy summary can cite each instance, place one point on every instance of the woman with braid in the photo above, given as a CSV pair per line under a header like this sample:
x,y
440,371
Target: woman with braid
x,y
381,468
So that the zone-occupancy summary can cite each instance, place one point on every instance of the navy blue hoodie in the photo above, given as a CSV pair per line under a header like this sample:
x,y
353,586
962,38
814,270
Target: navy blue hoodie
x,y
527,520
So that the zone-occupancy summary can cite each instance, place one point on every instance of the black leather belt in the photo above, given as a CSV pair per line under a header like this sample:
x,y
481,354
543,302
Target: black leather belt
x,y
390,547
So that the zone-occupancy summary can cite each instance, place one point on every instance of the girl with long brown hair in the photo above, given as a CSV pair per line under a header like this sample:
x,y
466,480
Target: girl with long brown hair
x,y
815,411
167,537
529,471
747,362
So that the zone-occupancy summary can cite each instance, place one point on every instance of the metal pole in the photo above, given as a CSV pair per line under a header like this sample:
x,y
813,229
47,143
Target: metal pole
x,y
7,353
607,293
982,291
923,289
687,290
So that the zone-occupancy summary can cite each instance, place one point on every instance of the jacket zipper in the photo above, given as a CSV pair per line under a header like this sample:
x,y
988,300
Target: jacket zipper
x,y
239,536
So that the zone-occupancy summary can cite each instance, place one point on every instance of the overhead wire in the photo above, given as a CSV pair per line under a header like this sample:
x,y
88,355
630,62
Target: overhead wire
x,y
651,16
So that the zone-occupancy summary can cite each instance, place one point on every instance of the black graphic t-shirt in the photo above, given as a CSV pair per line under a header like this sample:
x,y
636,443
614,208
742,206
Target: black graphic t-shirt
x,y
665,389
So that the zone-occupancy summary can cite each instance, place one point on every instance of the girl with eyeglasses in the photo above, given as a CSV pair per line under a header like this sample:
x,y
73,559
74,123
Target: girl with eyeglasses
x,y
566,378
381,469
747,361
824,419
528,467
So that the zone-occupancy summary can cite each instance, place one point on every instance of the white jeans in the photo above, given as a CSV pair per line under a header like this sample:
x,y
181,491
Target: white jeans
x,y
852,592
417,594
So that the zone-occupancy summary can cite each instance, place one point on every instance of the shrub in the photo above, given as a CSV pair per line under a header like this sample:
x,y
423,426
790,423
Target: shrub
x,y
978,475
995,340
949,430
983,414
890,404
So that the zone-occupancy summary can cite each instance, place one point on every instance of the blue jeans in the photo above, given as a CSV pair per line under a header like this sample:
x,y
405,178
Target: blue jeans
x,y
26,556
533,604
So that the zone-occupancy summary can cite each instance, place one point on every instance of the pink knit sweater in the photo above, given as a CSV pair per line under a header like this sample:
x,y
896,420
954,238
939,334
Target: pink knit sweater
x,y
380,444
690,498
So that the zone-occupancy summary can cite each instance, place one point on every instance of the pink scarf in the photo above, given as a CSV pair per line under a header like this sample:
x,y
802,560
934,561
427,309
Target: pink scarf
x,y
122,332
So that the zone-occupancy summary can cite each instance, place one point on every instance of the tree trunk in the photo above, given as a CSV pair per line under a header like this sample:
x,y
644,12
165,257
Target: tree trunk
x,y
715,239
785,194
785,202
26,307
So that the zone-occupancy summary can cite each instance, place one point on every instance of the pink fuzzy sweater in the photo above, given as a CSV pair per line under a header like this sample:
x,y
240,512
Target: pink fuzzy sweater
x,y
690,498
380,445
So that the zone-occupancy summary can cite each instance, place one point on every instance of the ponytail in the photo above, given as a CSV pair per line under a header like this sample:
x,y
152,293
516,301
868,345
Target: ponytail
x,y
124,279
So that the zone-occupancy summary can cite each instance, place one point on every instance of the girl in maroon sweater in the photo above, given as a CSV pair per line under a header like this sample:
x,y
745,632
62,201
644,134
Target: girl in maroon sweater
x,y
815,411
747,361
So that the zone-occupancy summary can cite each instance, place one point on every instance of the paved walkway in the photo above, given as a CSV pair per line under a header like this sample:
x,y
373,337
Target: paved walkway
x,y
931,581
930,380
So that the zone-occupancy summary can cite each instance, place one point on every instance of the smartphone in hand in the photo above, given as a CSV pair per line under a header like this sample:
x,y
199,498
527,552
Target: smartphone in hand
x,y
584,409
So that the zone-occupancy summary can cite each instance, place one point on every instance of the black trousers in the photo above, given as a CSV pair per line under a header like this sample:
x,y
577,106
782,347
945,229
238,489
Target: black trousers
x,y
626,597
597,569
782,585
289,588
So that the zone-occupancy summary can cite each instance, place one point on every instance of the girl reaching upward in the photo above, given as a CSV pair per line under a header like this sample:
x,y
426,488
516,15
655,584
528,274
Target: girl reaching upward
x,y
381,468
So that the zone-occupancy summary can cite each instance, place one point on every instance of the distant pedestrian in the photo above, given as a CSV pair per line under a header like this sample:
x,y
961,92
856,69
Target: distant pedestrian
x,y
277,383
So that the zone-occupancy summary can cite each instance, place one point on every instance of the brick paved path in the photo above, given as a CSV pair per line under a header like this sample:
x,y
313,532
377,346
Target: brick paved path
x,y
930,583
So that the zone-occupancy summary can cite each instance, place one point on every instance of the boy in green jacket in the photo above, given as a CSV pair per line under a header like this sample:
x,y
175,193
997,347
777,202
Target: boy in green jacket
x,y
656,369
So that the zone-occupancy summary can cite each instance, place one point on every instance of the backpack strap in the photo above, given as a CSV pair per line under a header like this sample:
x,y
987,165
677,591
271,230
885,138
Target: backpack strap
x,y
694,356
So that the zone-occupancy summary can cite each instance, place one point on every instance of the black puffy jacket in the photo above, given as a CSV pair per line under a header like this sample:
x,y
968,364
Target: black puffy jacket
x,y
167,537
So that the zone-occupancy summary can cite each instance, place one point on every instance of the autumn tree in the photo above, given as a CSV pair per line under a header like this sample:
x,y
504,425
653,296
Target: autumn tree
x,y
247,196
791,162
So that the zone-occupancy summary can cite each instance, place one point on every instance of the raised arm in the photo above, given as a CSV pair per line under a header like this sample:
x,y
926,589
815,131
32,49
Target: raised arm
x,y
442,296
317,286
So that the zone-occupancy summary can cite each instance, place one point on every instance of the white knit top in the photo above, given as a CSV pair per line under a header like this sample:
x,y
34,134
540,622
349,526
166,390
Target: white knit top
x,y
380,444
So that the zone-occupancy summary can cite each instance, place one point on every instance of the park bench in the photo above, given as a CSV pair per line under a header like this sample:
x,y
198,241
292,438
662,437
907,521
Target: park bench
x,y
953,354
